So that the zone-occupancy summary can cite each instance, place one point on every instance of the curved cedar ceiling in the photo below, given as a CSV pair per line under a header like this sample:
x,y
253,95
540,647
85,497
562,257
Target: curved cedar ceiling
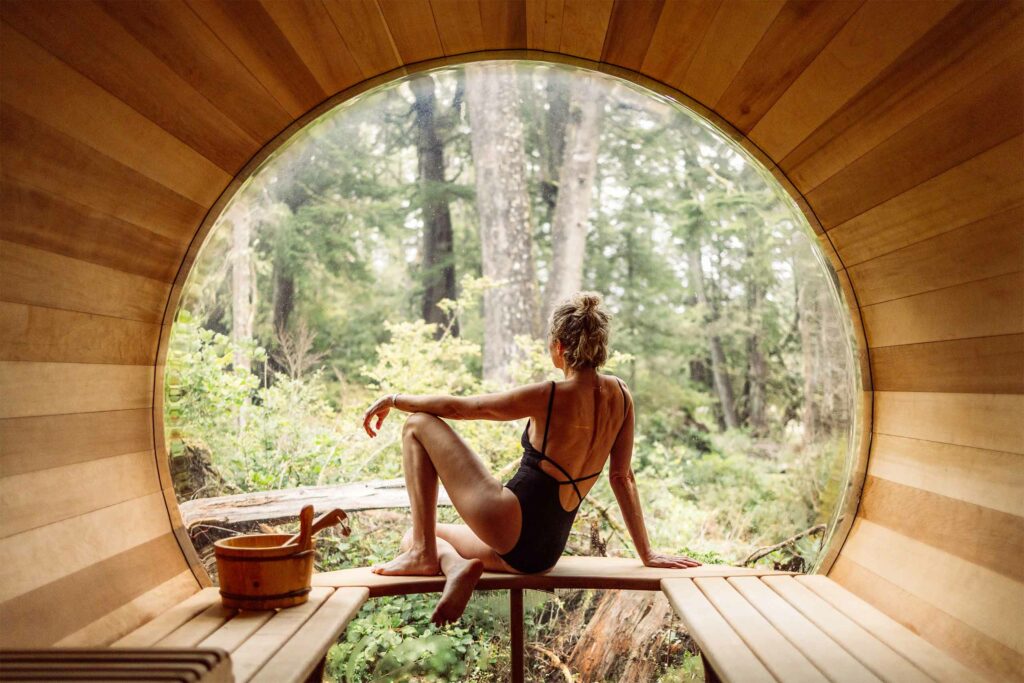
x,y
896,125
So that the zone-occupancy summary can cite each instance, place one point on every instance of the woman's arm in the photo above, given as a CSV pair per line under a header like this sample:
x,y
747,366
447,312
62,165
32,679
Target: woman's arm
x,y
506,405
623,484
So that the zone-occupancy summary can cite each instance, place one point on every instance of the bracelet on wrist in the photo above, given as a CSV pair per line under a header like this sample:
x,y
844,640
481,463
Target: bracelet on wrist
x,y
394,400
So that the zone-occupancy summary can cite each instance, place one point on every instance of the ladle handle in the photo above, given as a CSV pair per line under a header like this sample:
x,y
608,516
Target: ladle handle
x,y
325,520
306,528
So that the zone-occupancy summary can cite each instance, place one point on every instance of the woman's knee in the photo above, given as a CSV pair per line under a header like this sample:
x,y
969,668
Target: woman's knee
x,y
416,421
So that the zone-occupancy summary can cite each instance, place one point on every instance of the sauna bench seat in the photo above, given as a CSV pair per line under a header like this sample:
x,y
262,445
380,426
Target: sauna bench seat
x,y
801,628
270,646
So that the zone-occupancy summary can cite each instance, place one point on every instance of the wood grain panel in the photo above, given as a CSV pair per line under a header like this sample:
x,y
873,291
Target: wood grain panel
x,y
975,533
248,30
34,333
585,24
544,24
988,183
990,421
46,221
39,498
81,542
362,27
35,276
79,108
87,606
977,118
187,45
735,31
996,248
90,41
129,615
970,646
504,24
312,34
873,37
805,28
57,388
968,41
681,27
986,365
411,23
992,479
630,29
31,444
459,26
939,578
45,158
983,308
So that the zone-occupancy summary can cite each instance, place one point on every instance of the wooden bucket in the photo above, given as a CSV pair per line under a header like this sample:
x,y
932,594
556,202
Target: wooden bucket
x,y
258,572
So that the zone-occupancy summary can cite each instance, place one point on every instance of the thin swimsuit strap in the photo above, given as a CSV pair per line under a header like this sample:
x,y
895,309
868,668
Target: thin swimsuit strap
x,y
544,448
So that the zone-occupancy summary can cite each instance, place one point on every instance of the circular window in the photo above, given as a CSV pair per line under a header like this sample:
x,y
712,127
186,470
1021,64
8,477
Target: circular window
x,y
414,238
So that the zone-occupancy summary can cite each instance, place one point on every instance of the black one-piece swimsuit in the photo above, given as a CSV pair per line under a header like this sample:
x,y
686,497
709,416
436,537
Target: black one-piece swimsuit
x,y
546,524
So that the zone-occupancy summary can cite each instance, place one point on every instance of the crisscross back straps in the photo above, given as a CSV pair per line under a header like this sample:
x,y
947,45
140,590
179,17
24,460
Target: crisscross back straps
x,y
544,447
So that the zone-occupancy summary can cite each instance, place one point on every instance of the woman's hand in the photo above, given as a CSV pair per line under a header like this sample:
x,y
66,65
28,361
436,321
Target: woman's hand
x,y
670,561
380,409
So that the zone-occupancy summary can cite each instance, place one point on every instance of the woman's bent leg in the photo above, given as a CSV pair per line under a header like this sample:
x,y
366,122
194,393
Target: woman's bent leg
x,y
432,449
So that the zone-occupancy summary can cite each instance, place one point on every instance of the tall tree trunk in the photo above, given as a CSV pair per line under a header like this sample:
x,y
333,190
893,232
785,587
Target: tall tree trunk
x,y
284,294
438,255
575,191
506,236
241,283
757,369
719,370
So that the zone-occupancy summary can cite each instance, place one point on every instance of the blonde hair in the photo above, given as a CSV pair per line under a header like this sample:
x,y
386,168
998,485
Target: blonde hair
x,y
581,324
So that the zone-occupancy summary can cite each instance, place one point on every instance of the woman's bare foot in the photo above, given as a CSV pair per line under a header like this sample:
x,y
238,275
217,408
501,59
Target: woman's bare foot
x,y
458,589
410,563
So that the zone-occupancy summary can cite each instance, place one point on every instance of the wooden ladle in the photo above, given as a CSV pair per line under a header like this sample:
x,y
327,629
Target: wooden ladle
x,y
305,535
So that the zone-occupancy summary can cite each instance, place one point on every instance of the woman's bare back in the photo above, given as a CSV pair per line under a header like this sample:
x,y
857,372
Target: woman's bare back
x,y
585,420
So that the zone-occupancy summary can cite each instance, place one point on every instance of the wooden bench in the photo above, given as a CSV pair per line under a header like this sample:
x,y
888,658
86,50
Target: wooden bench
x,y
271,646
801,628
91,664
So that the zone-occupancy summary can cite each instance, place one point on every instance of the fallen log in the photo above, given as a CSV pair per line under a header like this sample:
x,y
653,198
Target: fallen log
x,y
270,507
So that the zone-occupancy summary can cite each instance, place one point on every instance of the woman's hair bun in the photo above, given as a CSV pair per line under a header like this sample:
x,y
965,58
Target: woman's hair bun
x,y
588,301
581,324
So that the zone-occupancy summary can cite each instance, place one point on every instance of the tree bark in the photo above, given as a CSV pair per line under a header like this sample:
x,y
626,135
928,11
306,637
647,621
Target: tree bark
x,y
242,309
719,370
506,235
623,639
438,254
575,191
757,369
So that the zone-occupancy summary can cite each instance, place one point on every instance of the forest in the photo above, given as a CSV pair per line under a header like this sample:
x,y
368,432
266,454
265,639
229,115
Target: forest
x,y
415,238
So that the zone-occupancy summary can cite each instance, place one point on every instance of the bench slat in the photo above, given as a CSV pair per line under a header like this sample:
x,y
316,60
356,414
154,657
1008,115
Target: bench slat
x,y
303,652
728,655
872,653
777,654
193,632
835,662
162,625
231,635
926,656
251,655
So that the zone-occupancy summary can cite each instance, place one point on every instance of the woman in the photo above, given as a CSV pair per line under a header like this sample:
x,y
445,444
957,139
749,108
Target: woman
x,y
523,526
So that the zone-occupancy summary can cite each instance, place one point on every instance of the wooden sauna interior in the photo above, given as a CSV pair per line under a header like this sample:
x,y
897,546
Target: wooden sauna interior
x,y
896,126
